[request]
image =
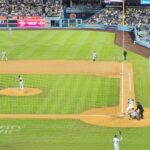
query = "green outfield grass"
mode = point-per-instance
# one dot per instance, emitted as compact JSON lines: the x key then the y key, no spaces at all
{"x":68,"y":134}
{"x":58,"y":44}
{"x":61,"y":94}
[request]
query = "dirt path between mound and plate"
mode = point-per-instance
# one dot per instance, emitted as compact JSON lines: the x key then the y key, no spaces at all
{"x":109,"y":116}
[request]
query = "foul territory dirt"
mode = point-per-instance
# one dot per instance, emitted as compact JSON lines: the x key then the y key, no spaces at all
{"x":110,"y":116}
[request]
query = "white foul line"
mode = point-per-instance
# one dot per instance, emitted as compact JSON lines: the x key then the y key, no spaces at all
{"x":122,"y":87}
{"x":130,"y":81}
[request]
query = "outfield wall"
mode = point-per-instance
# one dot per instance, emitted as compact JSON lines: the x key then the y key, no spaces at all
{"x":58,"y":23}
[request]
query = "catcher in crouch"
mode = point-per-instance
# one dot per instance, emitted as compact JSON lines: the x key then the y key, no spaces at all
{"x":133,"y":114}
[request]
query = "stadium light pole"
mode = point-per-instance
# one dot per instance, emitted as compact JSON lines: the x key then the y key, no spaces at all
{"x":122,"y":66}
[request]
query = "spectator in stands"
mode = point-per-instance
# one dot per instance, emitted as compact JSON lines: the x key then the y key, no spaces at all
{"x":30,"y":8}
{"x":113,"y":16}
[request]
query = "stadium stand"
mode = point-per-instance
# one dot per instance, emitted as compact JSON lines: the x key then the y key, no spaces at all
{"x":142,"y":35}
{"x":30,"y":8}
{"x":3,"y":8}
{"x":107,"y":16}
{"x":111,"y":16}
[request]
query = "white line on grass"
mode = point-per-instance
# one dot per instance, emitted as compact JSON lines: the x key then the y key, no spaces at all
{"x":130,"y":81}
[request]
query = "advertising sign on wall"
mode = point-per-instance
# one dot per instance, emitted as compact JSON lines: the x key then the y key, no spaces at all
{"x":31,"y":23}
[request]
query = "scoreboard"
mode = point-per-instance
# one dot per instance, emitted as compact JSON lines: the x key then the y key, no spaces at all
{"x":145,"y":1}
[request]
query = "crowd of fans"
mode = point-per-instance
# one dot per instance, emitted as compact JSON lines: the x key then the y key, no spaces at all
{"x":143,"y":32}
{"x":3,"y":8}
{"x":30,"y":8}
{"x":113,"y":16}
{"x":106,"y":16}
{"x":134,"y":16}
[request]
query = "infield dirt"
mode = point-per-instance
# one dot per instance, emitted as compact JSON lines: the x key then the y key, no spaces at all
{"x":20,"y":92}
{"x":111,"y":116}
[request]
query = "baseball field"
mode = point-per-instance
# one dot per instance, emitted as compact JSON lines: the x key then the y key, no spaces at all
{"x":59,"y":64}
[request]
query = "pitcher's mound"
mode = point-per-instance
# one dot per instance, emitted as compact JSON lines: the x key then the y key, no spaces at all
{"x":20,"y":92}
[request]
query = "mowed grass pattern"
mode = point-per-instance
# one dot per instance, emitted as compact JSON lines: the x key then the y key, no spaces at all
{"x":61,"y":94}
{"x":59,"y":97}
{"x":51,"y":44}
{"x":67,"y":135}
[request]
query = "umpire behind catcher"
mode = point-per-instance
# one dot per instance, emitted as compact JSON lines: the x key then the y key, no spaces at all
{"x":141,"y":110}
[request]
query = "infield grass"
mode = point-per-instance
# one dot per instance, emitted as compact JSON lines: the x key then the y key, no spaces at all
{"x":61,"y":94}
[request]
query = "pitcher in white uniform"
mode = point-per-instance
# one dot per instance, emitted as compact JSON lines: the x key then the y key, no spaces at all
{"x":21,"y":82}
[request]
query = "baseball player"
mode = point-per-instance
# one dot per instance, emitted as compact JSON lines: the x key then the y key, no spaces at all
{"x":94,"y":56}
{"x":130,"y":105}
{"x":4,"y":56}
{"x":21,"y":82}
{"x":133,"y":114}
{"x":116,"y":141}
